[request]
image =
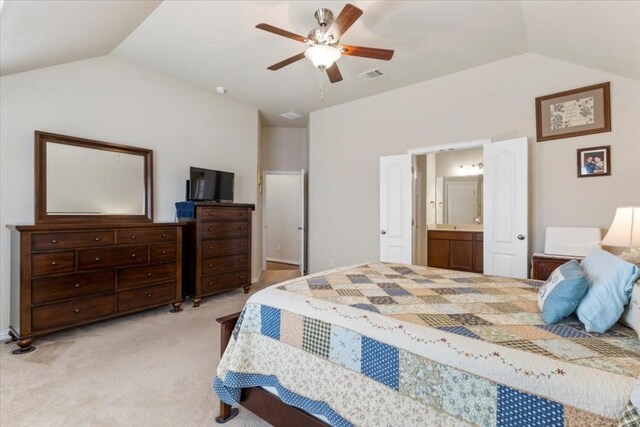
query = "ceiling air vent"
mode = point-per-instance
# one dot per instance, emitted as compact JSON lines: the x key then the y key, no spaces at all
{"x":372,"y":74}
{"x":291,"y":115}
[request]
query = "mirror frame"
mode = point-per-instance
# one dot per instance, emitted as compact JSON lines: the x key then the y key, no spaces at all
{"x":41,"y":216}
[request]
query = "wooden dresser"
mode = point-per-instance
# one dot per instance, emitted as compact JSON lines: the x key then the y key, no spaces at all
{"x":542,"y":265}
{"x":65,"y":275}
{"x":455,"y":250}
{"x":217,"y":249}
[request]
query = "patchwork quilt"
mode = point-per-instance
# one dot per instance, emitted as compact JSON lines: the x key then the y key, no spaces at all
{"x":398,"y":345}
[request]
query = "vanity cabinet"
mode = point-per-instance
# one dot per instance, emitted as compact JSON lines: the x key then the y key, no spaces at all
{"x":455,"y":250}
{"x":217,"y":249}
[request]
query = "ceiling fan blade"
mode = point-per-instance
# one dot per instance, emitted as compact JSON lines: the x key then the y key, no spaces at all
{"x":286,"y":62}
{"x":348,"y":15}
{"x":281,"y":32}
{"x":334,"y":73}
{"x":367,"y":52}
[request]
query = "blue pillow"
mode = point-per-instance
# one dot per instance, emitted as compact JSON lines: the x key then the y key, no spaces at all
{"x":611,"y":282}
{"x":560,"y":295}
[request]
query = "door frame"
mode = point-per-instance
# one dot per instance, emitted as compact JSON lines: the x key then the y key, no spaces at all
{"x":264,"y":210}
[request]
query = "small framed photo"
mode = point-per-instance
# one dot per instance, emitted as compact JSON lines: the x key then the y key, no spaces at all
{"x":594,"y":161}
{"x":575,"y":112}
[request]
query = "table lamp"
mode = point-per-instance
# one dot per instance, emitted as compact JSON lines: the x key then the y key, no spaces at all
{"x":625,"y":231}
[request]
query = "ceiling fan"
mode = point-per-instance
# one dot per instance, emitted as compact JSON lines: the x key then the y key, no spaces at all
{"x":324,"y":42}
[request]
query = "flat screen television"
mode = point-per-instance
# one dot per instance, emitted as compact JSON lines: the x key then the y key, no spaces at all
{"x":210,"y":185}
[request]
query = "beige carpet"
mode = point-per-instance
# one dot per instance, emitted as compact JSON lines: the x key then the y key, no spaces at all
{"x":149,"y":369}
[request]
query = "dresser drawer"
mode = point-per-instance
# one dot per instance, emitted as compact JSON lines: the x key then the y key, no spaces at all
{"x":49,"y":289}
{"x":52,"y":263}
{"x":219,"y":230}
{"x":213,"y":248}
{"x":130,"y":236}
{"x":71,"y":312}
{"x":92,"y":259}
{"x":225,"y":214}
{"x":224,"y":281}
{"x":542,"y":268}
{"x":52,"y":241}
{"x":223,"y":264}
{"x":146,"y":297}
{"x":133,"y":277}
{"x":163,"y":252}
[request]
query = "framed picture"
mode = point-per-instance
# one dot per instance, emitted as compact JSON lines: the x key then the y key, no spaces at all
{"x":576,"y":112}
{"x":594,"y":161}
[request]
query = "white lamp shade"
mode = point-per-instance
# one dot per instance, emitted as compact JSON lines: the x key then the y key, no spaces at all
{"x":625,"y":229}
{"x":322,"y":56}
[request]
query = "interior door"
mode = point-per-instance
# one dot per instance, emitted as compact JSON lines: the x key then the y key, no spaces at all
{"x":396,"y":229}
{"x":506,"y":196}
{"x":303,"y":229}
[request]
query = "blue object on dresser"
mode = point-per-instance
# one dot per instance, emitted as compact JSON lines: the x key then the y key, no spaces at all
{"x":560,"y":295}
{"x":185,"y":210}
{"x":611,"y":282}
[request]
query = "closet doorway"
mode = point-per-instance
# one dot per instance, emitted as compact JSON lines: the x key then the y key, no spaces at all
{"x":284,"y":228}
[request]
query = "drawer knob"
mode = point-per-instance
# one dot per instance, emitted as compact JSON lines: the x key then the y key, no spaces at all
{"x":133,"y":236}
{"x":210,"y":228}
{"x":164,"y":234}
{"x":149,"y":274}
{"x":133,"y":255}
{"x":164,"y":252}
{"x":210,"y":213}
{"x":54,"y":263}
{"x":77,"y":285}
{"x":241,"y":244}
{"x":210,"y":247}
{"x":54,"y":241}
{"x":210,"y":265}
{"x":148,"y":295}
{"x":242,"y":261}
{"x":240,"y":228}
{"x":76,"y":310}
{"x":97,"y":239}
{"x":240,"y":213}
{"x":97,"y":258}
{"x":210,"y":283}
{"x":242,"y":277}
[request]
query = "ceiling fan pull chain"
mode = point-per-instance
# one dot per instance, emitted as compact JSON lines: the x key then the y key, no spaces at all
{"x":320,"y":87}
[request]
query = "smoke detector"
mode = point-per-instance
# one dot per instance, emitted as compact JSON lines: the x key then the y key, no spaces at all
{"x":221,"y":90}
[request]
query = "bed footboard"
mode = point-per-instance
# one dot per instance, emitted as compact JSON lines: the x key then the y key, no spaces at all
{"x":227,"y":323}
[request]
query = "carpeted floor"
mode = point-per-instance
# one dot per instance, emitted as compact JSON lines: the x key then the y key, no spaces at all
{"x":148,"y":369}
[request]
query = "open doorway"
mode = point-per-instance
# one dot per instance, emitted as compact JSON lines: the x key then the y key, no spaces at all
{"x":283,"y":221}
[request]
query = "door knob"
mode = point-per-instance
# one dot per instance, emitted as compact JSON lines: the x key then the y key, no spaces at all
{"x":383,"y":232}
{"x":299,"y":228}
{"x":521,"y":237}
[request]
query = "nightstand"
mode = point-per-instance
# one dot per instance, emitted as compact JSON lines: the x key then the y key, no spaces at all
{"x":542,"y":265}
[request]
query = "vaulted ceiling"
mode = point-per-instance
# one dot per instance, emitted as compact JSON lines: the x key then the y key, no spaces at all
{"x":214,"y":43}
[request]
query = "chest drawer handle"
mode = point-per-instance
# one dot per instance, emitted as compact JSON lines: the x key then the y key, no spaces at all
{"x":164,"y":234}
{"x":133,"y":237}
{"x":76,"y":310}
{"x":133,"y":255}
{"x":164,"y":252}
{"x":54,"y":241}
{"x":210,"y":228}
{"x":97,"y":239}
{"x":149,"y":295}
{"x":97,"y":258}
{"x":54,"y":263}
{"x":242,"y":261}
{"x":210,"y":213}
{"x":149,"y":274}
{"x":210,"y":247}
{"x":242,"y":277}
{"x":241,"y":244}
{"x":241,"y":228}
{"x":210,"y":265}
{"x":77,"y":285}
{"x":210,"y":283}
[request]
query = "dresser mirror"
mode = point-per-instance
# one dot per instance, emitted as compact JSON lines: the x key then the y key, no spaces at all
{"x":80,"y":180}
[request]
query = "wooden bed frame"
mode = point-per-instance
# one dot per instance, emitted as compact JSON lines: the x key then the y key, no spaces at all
{"x":256,"y":399}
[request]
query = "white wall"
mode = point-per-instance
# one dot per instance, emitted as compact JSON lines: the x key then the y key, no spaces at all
{"x":111,"y":100}
{"x":283,"y":218}
{"x":448,"y":163}
{"x":284,"y":149}
{"x":495,"y":100}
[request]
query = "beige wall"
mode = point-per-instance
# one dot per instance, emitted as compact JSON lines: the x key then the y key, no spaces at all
{"x":111,"y":100}
{"x":284,"y":149}
{"x":492,"y":101}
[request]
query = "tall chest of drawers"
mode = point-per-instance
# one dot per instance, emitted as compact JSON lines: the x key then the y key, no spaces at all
{"x":217,"y":249}
{"x":69,"y":275}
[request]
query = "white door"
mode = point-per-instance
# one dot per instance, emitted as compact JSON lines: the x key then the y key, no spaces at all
{"x":395,"y":209}
{"x":506,"y":198}
{"x":460,"y":202}
{"x":303,"y":229}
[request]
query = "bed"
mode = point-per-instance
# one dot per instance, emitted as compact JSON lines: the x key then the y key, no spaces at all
{"x":399,"y":345}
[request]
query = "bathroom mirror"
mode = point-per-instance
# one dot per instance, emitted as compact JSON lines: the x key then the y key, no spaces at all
{"x":80,"y":180}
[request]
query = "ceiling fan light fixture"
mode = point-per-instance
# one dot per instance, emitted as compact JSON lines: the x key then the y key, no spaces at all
{"x":322,"y":56}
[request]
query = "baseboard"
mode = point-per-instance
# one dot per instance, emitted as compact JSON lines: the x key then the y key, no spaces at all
{"x":4,"y":335}
{"x":283,"y":261}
